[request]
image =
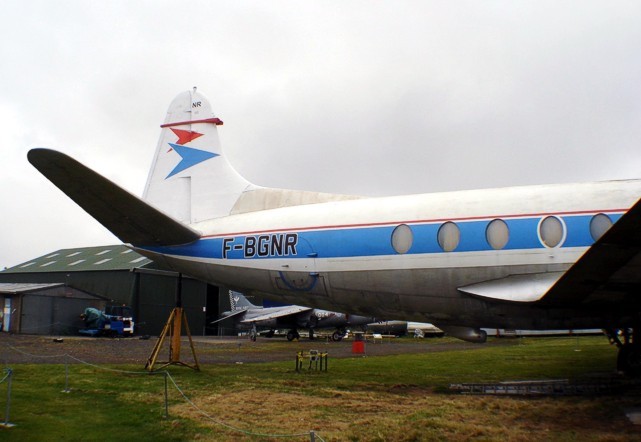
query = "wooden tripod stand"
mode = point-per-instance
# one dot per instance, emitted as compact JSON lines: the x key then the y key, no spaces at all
{"x":173,"y":327}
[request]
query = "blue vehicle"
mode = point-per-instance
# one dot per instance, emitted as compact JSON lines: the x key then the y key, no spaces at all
{"x":115,"y":321}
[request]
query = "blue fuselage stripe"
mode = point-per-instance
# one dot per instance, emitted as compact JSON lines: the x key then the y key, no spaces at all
{"x":368,"y":241}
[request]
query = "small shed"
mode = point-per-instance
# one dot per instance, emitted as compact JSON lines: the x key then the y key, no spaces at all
{"x":44,"y":308}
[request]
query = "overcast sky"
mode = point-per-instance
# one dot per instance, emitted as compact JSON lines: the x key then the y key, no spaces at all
{"x":365,"y":97}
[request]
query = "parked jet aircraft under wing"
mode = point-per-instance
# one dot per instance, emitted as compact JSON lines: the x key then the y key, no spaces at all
{"x":248,"y":316}
{"x":537,"y":257}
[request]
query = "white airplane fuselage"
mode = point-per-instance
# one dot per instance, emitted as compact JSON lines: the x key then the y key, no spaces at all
{"x":342,"y":255}
{"x":529,"y":258}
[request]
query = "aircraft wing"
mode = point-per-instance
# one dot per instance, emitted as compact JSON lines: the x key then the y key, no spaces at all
{"x":131,"y":219}
{"x":607,"y":276}
{"x":608,"y":273}
{"x":285,"y":311}
{"x":231,"y":315}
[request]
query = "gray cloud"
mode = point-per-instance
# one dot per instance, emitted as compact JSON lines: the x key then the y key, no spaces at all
{"x":368,"y":97}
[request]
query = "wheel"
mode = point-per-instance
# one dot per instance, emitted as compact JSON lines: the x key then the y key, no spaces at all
{"x":291,"y":335}
{"x":337,"y":336}
{"x":629,"y":360}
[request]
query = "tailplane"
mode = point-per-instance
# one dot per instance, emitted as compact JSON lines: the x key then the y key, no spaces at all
{"x":132,"y":220}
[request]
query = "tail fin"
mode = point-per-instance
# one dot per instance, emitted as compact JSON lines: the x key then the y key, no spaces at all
{"x":238,"y":301}
{"x":190,"y":178}
{"x":192,"y":181}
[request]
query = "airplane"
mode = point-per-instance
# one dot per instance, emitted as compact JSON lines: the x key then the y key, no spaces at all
{"x":401,"y":328}
{"x":250,"y":316}
{"x":540,"y":257}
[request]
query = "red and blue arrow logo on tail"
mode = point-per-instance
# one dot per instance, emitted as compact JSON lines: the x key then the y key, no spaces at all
{"x":185,"y":136}
{"x":189,"y":156}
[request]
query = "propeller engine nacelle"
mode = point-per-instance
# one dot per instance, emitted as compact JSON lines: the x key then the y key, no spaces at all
{"x":469,"y":334}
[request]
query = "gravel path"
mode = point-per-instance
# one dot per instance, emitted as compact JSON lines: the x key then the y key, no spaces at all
{"x":210,"y":350}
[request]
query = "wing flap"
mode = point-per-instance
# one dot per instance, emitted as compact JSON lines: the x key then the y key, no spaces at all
{"x":515,"y":288}
{"x":131,"y":219}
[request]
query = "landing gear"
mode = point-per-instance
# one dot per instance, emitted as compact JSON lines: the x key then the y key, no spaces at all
{"x":253,"y":333}
{"x":311,"y":334}
{"x":292,"y":334}
{"x":337,"y":336}
{"x":629,"y":357}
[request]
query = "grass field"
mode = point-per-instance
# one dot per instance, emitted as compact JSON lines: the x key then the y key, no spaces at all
{"x":401,"y":397}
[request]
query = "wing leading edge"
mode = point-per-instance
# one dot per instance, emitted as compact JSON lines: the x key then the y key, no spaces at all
{"x":231,"y":315}
{"x":286,"y":311}
{"x":128,"y":217}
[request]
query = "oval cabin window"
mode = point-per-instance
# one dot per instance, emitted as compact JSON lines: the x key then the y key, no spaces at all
{"x":449,"y":236}
{"x":551,"y":231}
{"x":497,"y":234}
{"x":402,"y":239}
{"x":599,"y":224}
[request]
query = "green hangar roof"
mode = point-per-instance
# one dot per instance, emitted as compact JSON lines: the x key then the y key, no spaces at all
{"x":85,"y":259}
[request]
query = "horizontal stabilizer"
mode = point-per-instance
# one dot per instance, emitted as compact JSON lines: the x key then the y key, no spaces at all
{"x":131,"y":219}
{"x":517,"y":288}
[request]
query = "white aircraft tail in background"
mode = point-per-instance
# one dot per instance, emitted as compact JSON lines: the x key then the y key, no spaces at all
{"x":524,"y":258}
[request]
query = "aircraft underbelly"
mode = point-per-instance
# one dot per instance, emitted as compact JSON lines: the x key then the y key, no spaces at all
{"x":420,"y":294}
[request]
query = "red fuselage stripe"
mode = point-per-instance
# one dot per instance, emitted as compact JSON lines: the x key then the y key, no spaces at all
{"x":423,"y":221}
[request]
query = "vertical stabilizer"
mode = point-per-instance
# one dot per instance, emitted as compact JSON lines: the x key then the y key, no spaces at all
{"x":190,"y":178}
{"x":238,"y":301}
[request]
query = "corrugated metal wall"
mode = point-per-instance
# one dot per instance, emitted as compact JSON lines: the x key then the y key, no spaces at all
{"x":48,"y":315}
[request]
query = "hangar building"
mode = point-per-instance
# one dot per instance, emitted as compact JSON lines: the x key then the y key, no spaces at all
{"x":118,"y":276}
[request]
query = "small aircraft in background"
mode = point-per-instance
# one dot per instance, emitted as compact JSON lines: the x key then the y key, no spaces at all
{"x":403,"y":328}
{"x":250,"y":317}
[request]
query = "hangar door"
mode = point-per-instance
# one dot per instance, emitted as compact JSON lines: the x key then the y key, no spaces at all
{"x":44,"y":315}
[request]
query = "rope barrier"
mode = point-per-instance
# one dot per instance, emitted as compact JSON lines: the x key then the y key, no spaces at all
{"x":114,"y":370}
{"x":8,"y":371}
{"x":34,"y":355}
{"x":313,"y":436}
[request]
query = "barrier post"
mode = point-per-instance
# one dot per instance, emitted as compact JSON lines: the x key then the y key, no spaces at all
{"x":166,"y":401}
{"x":66,"y":390}
{"x":6,"y":423}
